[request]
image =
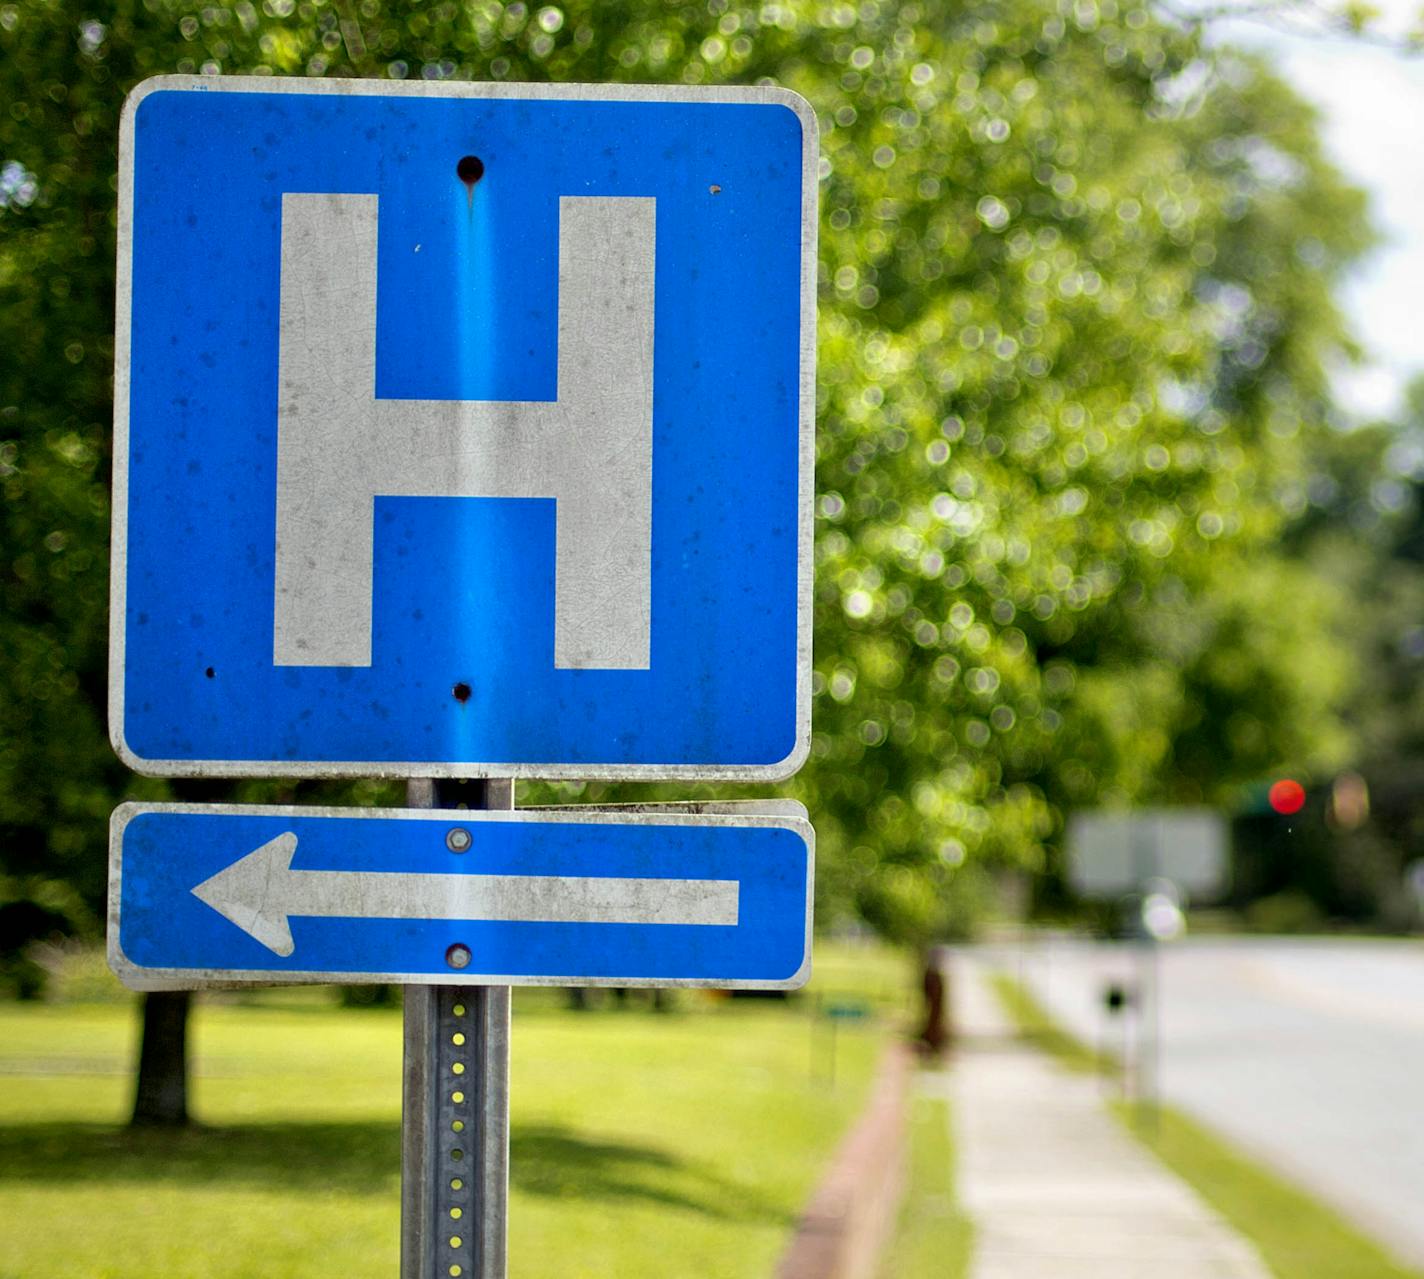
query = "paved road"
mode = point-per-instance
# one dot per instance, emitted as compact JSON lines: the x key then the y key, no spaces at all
{"x":1309,"y":1054}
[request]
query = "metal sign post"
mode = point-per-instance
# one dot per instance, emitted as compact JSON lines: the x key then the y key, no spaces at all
{"x":1146,"y":860}
{"x":455,"y":1110}
{"x":455,"y":1132}
{"x":1115,"y":853}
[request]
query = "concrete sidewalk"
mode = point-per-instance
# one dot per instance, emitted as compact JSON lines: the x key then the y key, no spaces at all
{"x":1056,"y":1187}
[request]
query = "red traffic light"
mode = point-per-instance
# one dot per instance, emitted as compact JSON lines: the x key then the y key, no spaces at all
{"x":1286,"y":796}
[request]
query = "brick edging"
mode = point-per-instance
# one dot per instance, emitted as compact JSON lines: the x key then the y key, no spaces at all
{"x":846,"y":1226}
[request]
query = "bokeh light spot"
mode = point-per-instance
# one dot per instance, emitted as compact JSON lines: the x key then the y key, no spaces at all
{"x":1286,"y":796}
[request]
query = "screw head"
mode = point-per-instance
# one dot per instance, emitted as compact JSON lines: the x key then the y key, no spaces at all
{"x":458,"y":839}
{"x":458,"y":956}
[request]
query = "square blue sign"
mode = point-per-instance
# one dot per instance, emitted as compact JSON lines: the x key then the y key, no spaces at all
{"x":463,"y":430}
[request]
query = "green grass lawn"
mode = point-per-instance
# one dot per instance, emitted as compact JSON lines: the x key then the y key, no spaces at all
{"x":643,"y":1144}
{"x":933,"y":1238}
{"x":1297,"y":1236}
{"x":1033,"y":1023}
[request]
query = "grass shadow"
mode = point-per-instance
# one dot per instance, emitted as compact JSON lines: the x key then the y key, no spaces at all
{"x":363,"y":1157}
{"x":297,"y":1156}
{"x":556,"y":1161}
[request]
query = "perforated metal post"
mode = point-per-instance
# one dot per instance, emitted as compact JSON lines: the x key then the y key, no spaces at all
{"x":455,"y":1117}
{"x":1147,"y":859}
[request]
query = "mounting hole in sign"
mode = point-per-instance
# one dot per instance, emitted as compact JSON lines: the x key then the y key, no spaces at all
{"x":461,"y":692}
{"x":458,"y":956}
{"x":470,"y":169}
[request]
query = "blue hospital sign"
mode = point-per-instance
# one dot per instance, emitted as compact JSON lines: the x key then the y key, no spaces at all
{"x":463,"y":429}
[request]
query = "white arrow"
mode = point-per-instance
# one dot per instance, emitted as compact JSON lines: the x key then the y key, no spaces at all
{"x":261,"y":890}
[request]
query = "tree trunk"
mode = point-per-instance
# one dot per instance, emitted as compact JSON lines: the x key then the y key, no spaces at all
{"x":161,"y":1094}
{"x":161,"y":1097}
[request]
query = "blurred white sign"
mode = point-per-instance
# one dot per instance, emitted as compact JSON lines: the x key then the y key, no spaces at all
{"x":1110,"y":854}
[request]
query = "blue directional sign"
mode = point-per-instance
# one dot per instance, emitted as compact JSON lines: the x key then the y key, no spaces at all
{"x":231,"y":893}
{"x":463,"y":429}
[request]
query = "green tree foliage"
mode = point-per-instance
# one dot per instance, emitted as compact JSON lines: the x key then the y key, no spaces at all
{"x":1050,"y":490}
{"x":1345,"y":857}
{"x":1075,"y":284}
{"x":57,"y":775}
